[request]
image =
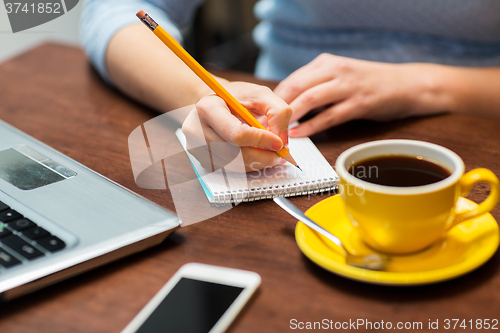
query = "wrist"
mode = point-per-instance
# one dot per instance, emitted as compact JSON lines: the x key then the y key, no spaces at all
{"x":434,"y":88}
{"x":203,"y":90}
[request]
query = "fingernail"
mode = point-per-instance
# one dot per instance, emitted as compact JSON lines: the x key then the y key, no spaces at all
{"x":292,"y":132}
{"x":283,"y":161}
{"x":277,"y":145}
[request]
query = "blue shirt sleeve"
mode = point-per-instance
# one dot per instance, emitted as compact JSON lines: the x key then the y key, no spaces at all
{"x":101,"y":19}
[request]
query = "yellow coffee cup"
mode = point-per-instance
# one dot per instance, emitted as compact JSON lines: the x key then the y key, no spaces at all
{"x":407,"y":219}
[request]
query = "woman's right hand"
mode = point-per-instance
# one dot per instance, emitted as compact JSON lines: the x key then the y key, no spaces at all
{"x":215,"y":135}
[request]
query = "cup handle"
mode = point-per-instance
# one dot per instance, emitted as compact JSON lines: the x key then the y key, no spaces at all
{"x":466,"y":183}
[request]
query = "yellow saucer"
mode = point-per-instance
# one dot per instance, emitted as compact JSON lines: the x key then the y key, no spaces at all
{"x":464,"y":248}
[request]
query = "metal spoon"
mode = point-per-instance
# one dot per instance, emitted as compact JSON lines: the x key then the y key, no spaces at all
{"x":374,"y":261}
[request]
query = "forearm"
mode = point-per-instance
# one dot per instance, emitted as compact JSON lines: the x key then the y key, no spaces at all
{"x":478,"y":91}
{"x":474,"y":91}
{"x":141,"y":66}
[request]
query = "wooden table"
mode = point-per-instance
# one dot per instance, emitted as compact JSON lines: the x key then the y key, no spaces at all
{"x":53,"y":94}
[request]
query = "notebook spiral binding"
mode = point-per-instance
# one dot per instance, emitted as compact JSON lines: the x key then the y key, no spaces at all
{"x":261,"y":193}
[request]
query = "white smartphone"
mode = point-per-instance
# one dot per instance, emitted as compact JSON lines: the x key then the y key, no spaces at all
{"x":199,"y":298}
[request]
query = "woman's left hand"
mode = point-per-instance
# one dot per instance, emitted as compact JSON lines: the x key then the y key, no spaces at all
{"x":356,"y":89}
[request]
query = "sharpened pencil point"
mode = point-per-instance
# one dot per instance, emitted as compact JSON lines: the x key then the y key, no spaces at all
{"x":290,"y":159}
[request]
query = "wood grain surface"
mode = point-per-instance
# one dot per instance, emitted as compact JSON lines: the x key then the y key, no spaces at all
{"x":54,"y":95}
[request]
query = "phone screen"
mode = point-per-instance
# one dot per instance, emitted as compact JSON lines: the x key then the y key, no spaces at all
{"x":191,"y":306}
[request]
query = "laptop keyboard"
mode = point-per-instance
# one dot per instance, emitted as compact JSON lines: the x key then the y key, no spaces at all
{"x":22,"y":240}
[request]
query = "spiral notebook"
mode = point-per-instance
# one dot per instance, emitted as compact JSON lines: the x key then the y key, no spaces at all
{"x":284,"y":180}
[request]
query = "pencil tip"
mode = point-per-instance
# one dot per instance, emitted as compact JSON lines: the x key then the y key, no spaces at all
{"x":290,"y":159}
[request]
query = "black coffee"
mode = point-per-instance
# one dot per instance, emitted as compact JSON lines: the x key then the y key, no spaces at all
{"x":400,"y":171}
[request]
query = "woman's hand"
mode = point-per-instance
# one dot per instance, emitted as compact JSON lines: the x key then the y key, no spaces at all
{"x":353,"y":89}
{"x":215,"y":135}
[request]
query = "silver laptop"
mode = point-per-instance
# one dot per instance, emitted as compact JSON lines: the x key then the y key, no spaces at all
{"x":59,"y":218}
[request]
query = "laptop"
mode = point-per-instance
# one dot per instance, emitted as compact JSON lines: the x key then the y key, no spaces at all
{"x":58,"y":218}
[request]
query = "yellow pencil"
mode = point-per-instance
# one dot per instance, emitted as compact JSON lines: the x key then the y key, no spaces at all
{"x":206,"y":77}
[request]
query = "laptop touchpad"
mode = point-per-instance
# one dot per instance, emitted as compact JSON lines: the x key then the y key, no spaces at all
{"x":27,"y":169}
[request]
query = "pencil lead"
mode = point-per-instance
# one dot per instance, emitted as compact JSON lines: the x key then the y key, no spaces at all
{"x":299,"y":167}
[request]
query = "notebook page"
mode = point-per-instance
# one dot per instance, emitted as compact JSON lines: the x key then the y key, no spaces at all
{"x":316,"y":172}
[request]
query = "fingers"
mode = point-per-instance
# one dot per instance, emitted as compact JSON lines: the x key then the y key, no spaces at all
{"x":301,"y":80}
{"x":261,"y":100}
{"x":217,"y":153}
{"x":214,"y":113}
{"x":214,"y":137}
{"x":223,"y":133}
{"x":199,"y":137}
{"x":278,"y":121}
{"x":332,"y":116}
{"x":225,"y":155}
{"x":254,"y":159}
{"x":263,"y":121}
{"x":326,"y":80}
{"x":320,"y":95}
